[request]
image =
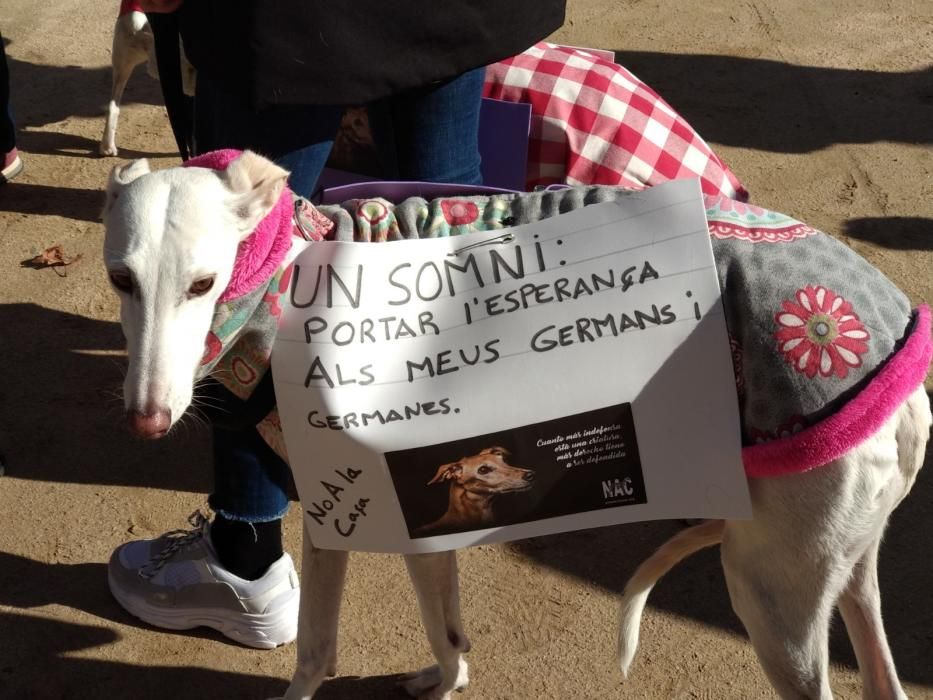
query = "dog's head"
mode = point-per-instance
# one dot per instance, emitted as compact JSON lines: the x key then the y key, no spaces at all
{"x":485,"y":473}
{"x":170,"y":244}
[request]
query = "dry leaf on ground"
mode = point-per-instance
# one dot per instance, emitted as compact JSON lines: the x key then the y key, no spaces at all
{"x":53,"y":257}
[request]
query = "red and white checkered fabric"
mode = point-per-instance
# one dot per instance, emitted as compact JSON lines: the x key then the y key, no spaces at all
{"x":593,"y":122}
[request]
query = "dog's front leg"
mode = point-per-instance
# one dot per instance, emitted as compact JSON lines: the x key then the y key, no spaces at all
{"x":435,"y":580}
{"x":323,"y":573}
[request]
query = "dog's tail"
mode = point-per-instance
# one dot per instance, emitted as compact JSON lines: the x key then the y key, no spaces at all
{"x":680,"y":546}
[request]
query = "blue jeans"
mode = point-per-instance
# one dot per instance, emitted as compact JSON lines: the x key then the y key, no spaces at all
{"x":428,"y":134}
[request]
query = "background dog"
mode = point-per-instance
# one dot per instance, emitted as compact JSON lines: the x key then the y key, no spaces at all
{"x":474,"y":482}
{"x":133,"y":44}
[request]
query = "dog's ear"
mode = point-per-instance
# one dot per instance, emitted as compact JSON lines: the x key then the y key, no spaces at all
{"x":447,"y":472}
{"x":121,"y":176}
{"x":498,"y":451}
{"x":257,"y":183}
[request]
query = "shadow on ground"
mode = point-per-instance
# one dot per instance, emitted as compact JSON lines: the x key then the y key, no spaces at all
{"x":895,"y":232}
{"x":42,"y":95}
{"x":46,"y":671}
{"x":56,"y":143}
{"x":75,"y":203}
{"x":26,"y":584}
{"x":784,"y":108}
{"x":77,"y":92}
{"x":61,"y":415}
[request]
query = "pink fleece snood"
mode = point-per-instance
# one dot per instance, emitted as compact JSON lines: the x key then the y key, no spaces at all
{"x":259,"y":254}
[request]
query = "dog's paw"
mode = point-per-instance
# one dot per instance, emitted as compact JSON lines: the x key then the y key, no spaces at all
{"x":425,"y":684}
{"x":108,"y":149}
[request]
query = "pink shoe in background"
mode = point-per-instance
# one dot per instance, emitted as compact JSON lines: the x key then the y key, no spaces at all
{"x":12,"y":166}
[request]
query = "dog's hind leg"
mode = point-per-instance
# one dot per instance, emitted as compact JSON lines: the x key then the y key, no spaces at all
{"x":860,"y":605}
{"x":323,"y":573}
{"x":812,"y":533}
{"x":860,"y":602}
{"x":434,"y":577}
{"x":784,"y":597}
{"x":129,"y":50}
{"x":786,"y":568}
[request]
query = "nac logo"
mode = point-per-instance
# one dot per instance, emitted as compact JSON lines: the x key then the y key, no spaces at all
{"x":618,"y":488}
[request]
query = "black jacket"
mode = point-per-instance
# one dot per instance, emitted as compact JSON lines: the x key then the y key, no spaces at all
{"x":347,"y":52}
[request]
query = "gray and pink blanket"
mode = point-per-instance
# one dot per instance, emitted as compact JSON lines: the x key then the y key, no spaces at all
{"x":825,"y":347}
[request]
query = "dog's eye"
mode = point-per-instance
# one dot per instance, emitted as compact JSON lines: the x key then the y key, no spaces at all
{"x":485,"y":469}
{"x":201,"y":286}
{"x":122,"y":281}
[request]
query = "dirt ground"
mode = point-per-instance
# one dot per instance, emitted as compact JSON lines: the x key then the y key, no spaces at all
{"x":824,"y":110}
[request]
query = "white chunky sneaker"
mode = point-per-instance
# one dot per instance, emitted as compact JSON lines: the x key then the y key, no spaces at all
{"x":176,"y":582}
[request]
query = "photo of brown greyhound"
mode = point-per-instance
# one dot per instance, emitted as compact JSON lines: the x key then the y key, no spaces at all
{"x":474,"y":482}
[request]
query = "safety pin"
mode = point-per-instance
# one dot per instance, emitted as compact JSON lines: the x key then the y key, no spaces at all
{"x":504,"y":238}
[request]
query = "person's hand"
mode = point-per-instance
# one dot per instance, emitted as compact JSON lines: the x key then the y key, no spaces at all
{"x":160,"y":5}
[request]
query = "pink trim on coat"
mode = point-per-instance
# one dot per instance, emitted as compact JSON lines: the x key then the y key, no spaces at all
{"x":857,"y":420}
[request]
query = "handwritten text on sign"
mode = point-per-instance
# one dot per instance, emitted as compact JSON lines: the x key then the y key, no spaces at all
{"x":560,"y":375}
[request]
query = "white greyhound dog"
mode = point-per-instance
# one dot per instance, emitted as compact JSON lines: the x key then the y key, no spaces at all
{"x":171,"y":241}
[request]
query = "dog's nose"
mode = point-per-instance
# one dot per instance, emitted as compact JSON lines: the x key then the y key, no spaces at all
{"x":151,"y":425}
{"x":529,"y":476}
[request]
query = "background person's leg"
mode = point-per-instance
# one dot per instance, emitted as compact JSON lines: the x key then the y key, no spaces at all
{"x":7,"y":131}
{"x":178,"y":105}
{"x":11,"y":165}
{"x":432,"y":134}
{"x":250,"y":498}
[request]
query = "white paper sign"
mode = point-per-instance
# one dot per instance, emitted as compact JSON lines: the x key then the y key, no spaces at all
{"x":568,"y":374}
